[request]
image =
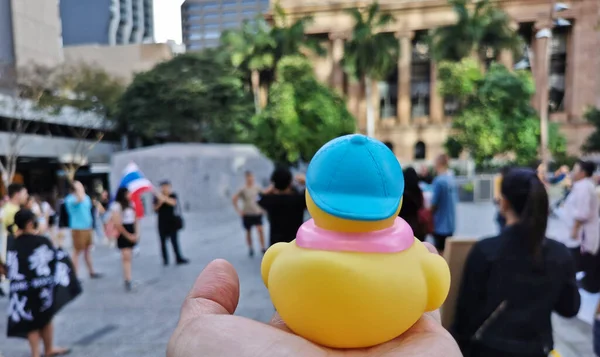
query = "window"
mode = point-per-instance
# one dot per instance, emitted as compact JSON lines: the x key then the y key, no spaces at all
{"x":212,"y":35}
{"x":388,"y":96}
{"x":211,"y":16}
{"x":194,"y":17}
{"x":249,"y":12}
{"x":194,"y":46}
{"x":229,"y":13}
{"x":194,"y":6}
{"x":249,"y":2}
{"x":526,"y":32}
{"x":195,"y":36}
{"x":420,"y":150}
{"x":229,"y":2}
{"x":210,"y":6}
{"x":420,"y":76}
{"x":558,"y":69}
{"x":230,"y":24}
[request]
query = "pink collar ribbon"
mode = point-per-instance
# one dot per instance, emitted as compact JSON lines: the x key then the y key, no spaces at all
{"x":395,"y":239}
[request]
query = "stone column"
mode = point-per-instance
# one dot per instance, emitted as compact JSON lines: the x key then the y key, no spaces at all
{"x":583,"y":61}
{"x":436,"y":101}
{"x":539,"y":65}
{"x":404,"y":67}
{"x":337,"y":53}
{"x":507,"y":59}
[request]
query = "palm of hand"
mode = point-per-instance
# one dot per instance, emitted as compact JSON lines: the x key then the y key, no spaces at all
{"x":207,"y":328}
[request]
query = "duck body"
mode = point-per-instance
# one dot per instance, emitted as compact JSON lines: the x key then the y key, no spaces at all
{"x":351,"y":299}
{"x":355,"y":276}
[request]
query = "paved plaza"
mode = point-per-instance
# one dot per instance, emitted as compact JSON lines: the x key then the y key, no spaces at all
{"x":107,"y":322}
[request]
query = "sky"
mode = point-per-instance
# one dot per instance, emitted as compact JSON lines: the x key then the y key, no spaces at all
{"x":167,"y":20}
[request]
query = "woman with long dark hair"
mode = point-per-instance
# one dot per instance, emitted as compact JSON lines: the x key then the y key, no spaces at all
{"x":513,"y":282}
{"x":412,"y":203}
{"x":125,"y":221}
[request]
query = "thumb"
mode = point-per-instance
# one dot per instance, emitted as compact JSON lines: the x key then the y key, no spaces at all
{"x":216,"y":291}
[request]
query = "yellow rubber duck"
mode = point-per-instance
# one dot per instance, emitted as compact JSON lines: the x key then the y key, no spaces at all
{"x":355,"y":276}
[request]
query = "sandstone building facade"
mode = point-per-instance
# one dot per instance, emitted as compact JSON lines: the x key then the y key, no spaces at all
{"x":410,"y":114}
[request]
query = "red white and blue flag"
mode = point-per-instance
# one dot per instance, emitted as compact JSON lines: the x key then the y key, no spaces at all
{"x":135,"y":182}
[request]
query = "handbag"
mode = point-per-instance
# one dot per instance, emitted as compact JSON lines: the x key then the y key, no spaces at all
{"x":425,"y":220}
{"x":178,"y":222}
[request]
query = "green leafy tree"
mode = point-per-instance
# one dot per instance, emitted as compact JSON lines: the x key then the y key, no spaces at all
{"x":481,"y":28}
{"x":192,"y":97}
{"x":92,"y":95}
{"x":592,"y":144}
{"x":256,"y":48}
{"x":371,"y":54}
{"x":251,"y":49}
{"x":301,"y":116}
{"x":496,"y":116}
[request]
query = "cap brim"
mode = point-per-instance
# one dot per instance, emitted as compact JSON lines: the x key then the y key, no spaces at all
{"x":356,"y":207}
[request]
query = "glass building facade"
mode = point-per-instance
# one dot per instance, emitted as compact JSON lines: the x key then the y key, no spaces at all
{"x":203,"y":21}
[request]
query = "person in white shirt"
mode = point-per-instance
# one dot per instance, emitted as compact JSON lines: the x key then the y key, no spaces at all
{"x":582,"y":209}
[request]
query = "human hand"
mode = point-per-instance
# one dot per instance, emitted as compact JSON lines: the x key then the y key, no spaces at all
{"x":207,"y":327}
{"x":574,"y":234}
{"x":133,"y":237}
{"x":269,"y":190}
{"x":301,"y":179}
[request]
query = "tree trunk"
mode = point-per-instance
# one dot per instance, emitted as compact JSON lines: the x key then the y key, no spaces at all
{"x":370,"y":109}
{"x":255,"y":79}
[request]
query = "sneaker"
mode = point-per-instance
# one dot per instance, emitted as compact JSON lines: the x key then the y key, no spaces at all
{"x":183,"y":261}
{"x":136,"y":251}
{"x":251,"y":253}
{"x":264,"y":251}
{"x":96,"y":276}
{"x":128,"y":286}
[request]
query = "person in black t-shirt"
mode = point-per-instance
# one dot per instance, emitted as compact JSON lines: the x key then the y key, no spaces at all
{"x":165,"y":203}
{"x":285,"y":206}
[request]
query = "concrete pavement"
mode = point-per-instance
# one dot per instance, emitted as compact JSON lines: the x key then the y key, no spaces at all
{"x":106,"y":321}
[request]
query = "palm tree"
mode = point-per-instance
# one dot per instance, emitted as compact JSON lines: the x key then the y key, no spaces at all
{"x":257,"y":47}
{"x":291,"y":37}
{"x":370,"y":54}
{"x":485,"y":30}
{"x":251,"y":49}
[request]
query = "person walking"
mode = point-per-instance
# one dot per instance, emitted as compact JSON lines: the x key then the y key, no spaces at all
{"x":413,"y":207}
{"x":443,"y":203}
{"x":169,"y":224}
{"x":580,"y":213}
{"x":79,"y":210}
{"x":513,"y":282}
{"x":42,"y":283}
{"x":123,"y":216}
{"x":251,"y":213}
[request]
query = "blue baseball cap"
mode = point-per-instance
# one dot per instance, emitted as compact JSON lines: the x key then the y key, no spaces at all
{"x":355,"y":177}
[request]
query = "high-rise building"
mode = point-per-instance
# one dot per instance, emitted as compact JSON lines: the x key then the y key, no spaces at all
{"x":107,"y":22}
{"x":203,"y":20}
{"x":29,"y":32}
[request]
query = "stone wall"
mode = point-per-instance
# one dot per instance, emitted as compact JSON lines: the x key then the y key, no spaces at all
{"x":205,"y":176}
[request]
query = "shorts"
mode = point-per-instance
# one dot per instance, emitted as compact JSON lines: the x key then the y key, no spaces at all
{"x":251,"y":220}
{"x":122,"y":241}
{"x":439,"y":240}
{"x":82,"y":238}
